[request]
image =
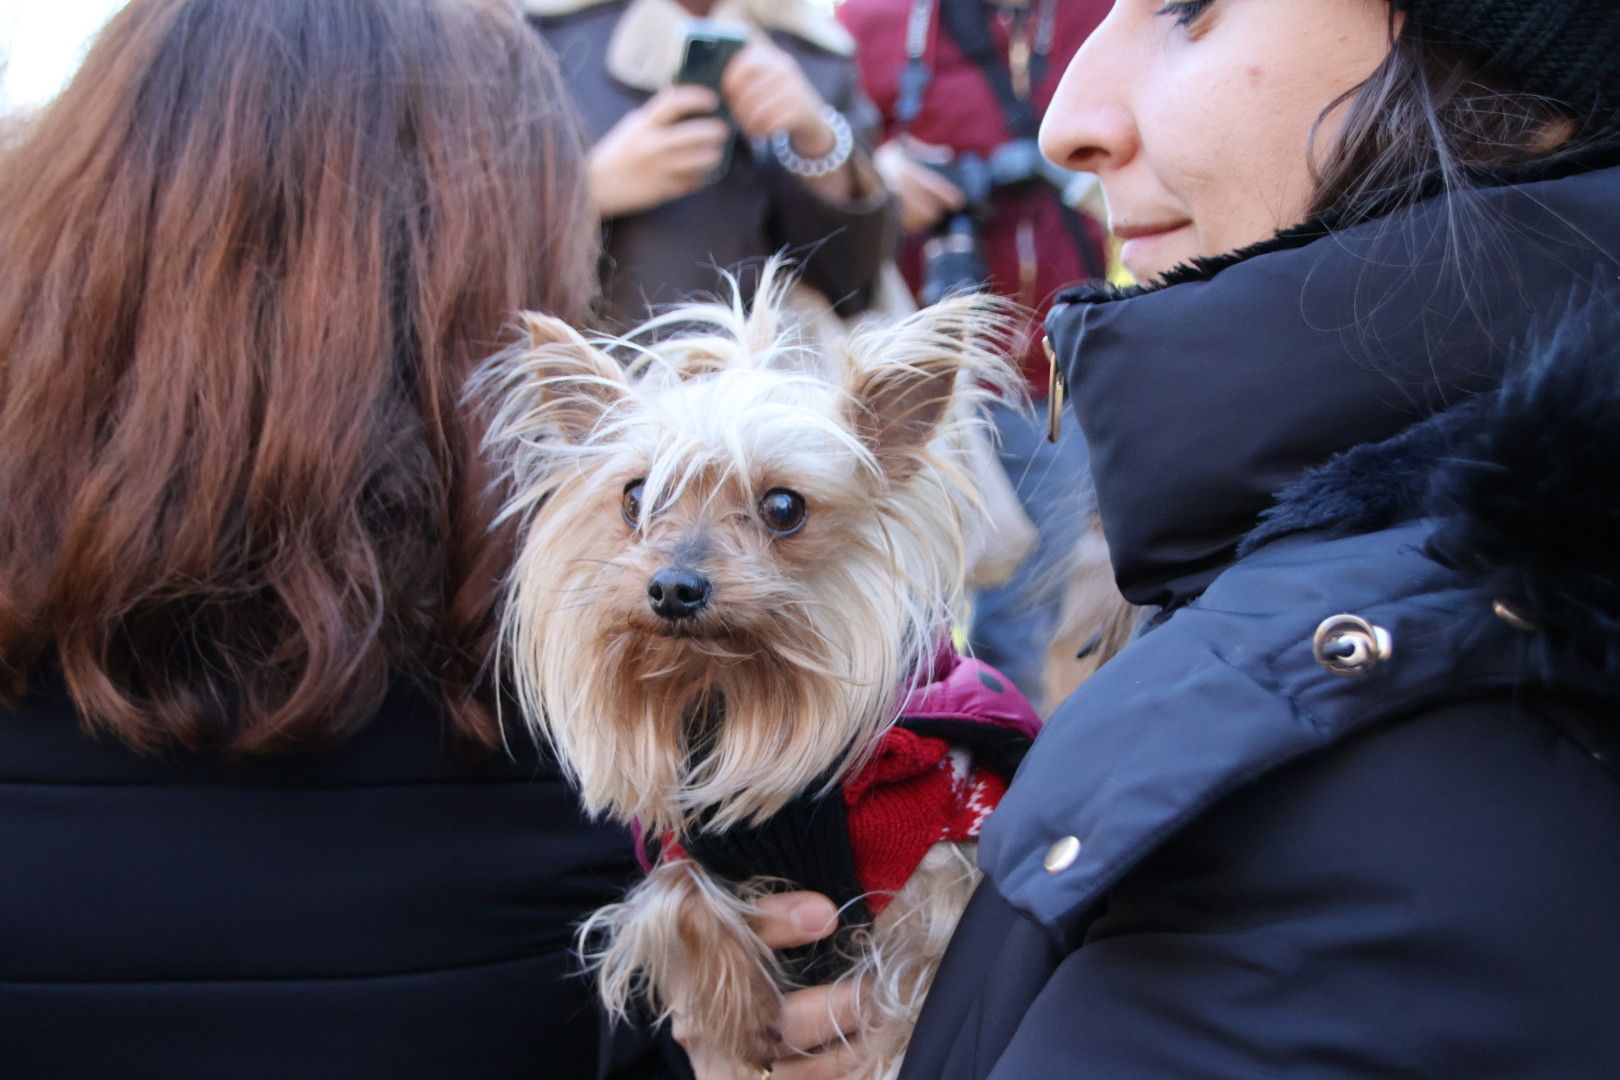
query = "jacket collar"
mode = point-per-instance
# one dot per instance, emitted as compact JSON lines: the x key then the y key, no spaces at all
{"x":1203,"y":398}
{"x":1229,"y":690}
{"x":645,"y":50}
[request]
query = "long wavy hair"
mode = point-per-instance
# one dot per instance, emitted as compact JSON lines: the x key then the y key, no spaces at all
{"x":252,"y":254}
{"x":1431,"y":119}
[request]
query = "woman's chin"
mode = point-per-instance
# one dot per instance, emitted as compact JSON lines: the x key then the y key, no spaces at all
{"x":1149,"y":258}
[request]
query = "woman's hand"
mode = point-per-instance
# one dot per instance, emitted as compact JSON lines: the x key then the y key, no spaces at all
{"x":925,"y":196}
{"x":768,"y":92}
{"x":662,"y":151}
{"x":815,"y":1022}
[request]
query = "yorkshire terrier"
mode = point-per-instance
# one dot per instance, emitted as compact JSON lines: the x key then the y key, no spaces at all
{"x":740,"y":555}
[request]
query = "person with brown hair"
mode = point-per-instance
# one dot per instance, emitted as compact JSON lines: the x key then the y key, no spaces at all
{"x":260,"y":815}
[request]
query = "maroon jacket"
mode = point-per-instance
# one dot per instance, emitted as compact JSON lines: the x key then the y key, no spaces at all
{"x":960,"y":111}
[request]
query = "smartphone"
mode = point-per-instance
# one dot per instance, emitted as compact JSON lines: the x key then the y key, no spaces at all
{"x":708,"y":49}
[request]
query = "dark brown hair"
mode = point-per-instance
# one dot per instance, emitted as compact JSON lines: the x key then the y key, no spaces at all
{"x":1431,"y":120}
{"x":252,"y":254}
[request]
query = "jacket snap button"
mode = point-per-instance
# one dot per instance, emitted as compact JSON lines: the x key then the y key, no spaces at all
{"x":1513,"y":617}
{"x":1061,"y":855}
{"x":1349,"y":645}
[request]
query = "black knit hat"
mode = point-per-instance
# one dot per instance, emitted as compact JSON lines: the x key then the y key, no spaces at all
{"x":1565,"y":50}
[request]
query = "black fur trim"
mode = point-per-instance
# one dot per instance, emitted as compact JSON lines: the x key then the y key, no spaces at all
{"x":1523,"y":483}
{"x":1529,"y":505}
{"x":1370,"y":487}
{"x":1198,"y":269}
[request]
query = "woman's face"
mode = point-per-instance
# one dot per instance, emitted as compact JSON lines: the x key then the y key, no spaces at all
{"x":1196,"y":115}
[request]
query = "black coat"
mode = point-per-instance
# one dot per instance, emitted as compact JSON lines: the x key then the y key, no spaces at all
{"x":378,"y":910}
{"x":1222,"y":859}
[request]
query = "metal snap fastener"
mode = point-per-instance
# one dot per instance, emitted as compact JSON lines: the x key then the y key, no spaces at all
{"x":1061,"y":855}
{"x":1349,"y":645}
{"x":1513,"y":617}
{"x":1056,"y":389}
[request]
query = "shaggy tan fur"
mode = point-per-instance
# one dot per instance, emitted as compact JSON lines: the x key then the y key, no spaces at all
{"x":800,"y":662}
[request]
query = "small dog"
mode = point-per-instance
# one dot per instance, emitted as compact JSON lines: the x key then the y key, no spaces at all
{"x":738,"y":556}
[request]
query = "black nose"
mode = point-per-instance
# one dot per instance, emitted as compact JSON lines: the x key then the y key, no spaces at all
{"x":678,"y":593}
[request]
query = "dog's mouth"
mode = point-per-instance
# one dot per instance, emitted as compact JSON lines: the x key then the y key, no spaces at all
{"x":691,"y":630}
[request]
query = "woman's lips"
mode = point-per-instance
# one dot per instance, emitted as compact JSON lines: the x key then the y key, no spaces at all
{"x":1140,"y":252}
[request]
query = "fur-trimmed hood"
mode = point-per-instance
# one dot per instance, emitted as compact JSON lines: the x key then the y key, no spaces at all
{"x":1349,"y":380}
{"x":1523,"y":483}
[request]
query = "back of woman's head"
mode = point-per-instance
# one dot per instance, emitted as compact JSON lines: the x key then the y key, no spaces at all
{"x":251,"y":255}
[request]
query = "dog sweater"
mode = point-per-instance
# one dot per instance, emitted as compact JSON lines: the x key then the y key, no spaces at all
{"x":934,"y":776}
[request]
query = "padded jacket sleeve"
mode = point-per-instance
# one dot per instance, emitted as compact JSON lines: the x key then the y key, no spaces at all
{"x":1429,"y":899}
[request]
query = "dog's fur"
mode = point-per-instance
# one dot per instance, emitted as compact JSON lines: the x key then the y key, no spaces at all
{"x":797,"y":667}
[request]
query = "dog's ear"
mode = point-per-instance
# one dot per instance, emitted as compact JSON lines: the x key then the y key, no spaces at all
{"x":574,"y":383}
{"x":907,"y":381}
{"x":897,"y":406}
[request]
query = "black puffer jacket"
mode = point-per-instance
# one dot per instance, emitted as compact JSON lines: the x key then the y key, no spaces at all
{"x":379,"y":910}
{"x":1224,"y":858}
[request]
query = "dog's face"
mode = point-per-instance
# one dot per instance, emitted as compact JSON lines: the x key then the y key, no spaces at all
{"x":740,"y":557}
{"x":730,"y":513}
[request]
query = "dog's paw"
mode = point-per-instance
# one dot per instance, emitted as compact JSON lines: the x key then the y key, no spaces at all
{"x":730,"y":1002}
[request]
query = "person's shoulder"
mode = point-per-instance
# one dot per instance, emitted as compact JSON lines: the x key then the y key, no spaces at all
{"x":803,"y":22}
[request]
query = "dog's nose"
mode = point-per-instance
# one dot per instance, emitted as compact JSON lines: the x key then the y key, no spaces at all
{"x":678,"y":593}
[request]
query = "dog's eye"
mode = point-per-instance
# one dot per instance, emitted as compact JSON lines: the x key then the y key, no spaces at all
{"x":783,"y":511}
{"x":630,"y":506}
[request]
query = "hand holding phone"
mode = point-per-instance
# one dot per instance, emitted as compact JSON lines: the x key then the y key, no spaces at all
{"x":709,"y":49}
{"x":768,"y":92}
{"x":666,"y":149}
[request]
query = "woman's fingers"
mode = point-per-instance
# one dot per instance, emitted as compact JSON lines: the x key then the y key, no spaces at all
{"x":835,"y":1063}
{"x":788,"y":920}
{"x":676,"y":103}
{"x":819,"y":1028}
{"x":706,"y":132}
{"x":820,"y":1015}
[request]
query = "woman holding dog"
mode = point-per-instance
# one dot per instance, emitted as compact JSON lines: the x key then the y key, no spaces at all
{"x":1349,"y":805}
{"x":257,"y":814}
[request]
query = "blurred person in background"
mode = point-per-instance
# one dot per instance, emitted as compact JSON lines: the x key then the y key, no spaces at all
{"x":261,"y":817}
{"x":685,"y":193}
{"x":962,"y":86}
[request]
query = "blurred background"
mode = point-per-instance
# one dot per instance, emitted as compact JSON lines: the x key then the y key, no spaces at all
{"x":41,"y":44}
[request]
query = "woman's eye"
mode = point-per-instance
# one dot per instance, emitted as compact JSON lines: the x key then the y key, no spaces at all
{"x":783,"y":511}
{"x":1186,"y":12}
{"x":630,"y":506}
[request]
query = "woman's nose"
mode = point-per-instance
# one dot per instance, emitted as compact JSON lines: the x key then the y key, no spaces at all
{"x":1089,"y":126}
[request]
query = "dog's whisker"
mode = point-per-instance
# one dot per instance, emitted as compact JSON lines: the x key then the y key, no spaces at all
{"x":560,"y":591}
{"x":614,"y":563}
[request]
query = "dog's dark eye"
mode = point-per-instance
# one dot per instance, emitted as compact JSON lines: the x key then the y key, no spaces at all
{"x":630,"y":506}
{"x":783,"y":511}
